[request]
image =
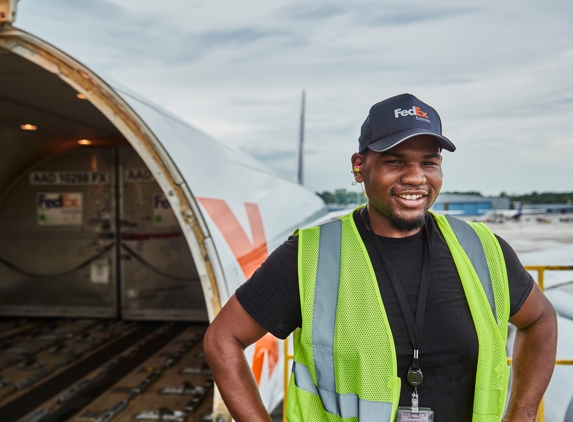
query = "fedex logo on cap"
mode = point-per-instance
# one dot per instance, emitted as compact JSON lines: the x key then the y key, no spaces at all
{"x":414,"y":111}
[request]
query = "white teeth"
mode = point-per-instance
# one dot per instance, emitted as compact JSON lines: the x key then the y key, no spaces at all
{"x":411,"y":197}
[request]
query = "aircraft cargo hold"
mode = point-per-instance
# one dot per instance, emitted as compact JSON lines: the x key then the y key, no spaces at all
{"x":118,"y":245}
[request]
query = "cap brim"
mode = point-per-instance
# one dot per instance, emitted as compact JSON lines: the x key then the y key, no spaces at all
{"x":390,"y":141}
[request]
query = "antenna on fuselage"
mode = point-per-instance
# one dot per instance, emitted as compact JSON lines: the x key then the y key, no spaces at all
{"x":8,"y":11}
{"x":298,"y":170}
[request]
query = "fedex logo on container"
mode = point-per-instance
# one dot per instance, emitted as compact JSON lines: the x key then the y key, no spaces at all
{"x":162,"y":213}
{"x":59,"y":208}
{"x":48,"y":201}
{"x":160,"y":202}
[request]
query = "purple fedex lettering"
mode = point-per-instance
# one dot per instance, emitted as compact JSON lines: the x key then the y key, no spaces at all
{"x":160,"y":202}
{"x":48,"y":203}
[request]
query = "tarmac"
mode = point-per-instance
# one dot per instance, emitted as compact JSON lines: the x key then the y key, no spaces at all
{"x":536,"y":232}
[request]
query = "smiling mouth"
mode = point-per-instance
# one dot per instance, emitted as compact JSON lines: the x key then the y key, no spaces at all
{"x":410,"y":197}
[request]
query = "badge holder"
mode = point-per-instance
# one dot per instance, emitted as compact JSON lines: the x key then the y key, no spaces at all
{"x":406,"y":414}
{"x":415,"y":413}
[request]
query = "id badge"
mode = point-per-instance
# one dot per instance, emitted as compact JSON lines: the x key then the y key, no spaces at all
{"x":405,"y":414}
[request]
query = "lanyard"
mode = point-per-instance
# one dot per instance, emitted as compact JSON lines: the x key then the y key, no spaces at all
{"x":414,"y":328}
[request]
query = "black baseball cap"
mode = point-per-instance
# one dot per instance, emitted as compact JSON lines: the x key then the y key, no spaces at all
{"x":398,"y":118}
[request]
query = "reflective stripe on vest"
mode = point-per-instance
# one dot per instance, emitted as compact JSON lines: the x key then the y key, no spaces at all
{"x":324,"y":320}
{"x":323,"y":327}
{"x":343,"y":405}
{"x":324,"y":314}
{"x":474,"y":250}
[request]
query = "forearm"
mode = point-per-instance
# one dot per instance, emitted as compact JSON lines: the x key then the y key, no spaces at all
{"x":234,"y":379}
{"x":533,"y":364}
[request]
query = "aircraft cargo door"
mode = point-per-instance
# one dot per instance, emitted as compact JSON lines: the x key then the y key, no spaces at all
{"x":57,"y":247}
{"x":158,"y":275}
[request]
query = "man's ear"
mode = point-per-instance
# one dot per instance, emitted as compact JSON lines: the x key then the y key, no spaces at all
{"x":357,"y":165}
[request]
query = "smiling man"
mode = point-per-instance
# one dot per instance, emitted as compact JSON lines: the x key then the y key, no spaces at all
{"x":398,"y":314}
{"x":401,"y":182}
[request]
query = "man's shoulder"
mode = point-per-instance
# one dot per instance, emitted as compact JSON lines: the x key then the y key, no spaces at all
{"x":336,"y":217}
{"x":440,"y":220}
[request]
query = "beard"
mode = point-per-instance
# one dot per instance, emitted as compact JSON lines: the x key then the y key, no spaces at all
{"x":407,"y":226}
{"x":404,"y":225}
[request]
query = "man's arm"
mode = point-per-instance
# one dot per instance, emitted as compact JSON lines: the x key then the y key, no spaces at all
{"x":228,"y":335}
{"x":533,"y":356}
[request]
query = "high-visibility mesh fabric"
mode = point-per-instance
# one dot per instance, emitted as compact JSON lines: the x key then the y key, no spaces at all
{"x":498,"y":272}
{"x":492,"y":375}
{"x":365,"y":360}
{"x":310,"y":408}
{"x":307,"y":265}
{"x":370,"y":358}
{"x":303,"y":406}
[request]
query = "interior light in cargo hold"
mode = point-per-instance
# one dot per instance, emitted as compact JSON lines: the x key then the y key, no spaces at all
{"x":28,"y":126}
{"x":81,"y":96}
{"x":84,"y":142}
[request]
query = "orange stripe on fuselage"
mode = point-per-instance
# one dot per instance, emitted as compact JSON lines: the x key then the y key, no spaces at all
{"x":249,"y":254}
{"x":268,"y":345}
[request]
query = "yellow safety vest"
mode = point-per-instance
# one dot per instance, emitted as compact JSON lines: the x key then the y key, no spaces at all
{"x":345,"y":366}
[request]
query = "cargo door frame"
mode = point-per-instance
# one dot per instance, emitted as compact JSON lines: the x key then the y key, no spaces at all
{"x":145,"y":143}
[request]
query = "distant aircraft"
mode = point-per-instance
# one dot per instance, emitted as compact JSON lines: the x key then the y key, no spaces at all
{"x":500,"y":216}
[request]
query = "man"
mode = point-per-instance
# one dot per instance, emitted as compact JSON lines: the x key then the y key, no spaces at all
{"x":398,"y":313}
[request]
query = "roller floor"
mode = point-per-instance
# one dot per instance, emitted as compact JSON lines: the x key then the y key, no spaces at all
{"x":55,"y":370}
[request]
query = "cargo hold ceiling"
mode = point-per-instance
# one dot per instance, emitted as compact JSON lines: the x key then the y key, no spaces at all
{"x":32,"y":95}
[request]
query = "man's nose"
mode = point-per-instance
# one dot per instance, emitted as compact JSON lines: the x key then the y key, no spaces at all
{"x":413,"y":175}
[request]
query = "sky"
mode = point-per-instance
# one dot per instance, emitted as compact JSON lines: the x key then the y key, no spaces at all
{"x":500,"y":74}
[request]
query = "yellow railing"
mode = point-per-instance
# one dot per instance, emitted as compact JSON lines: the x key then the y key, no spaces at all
{"x":540,"y":280}
{"x":288,"y":358}
{"x":541,"y":271}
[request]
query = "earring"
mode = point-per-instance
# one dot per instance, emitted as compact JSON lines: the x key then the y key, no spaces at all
{"x":354,"y":171}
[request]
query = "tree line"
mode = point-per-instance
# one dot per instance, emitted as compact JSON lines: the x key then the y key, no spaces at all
{"x":344,"y":197}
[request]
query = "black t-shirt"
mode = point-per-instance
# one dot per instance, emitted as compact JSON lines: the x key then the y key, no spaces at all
{"x":449,"y":348}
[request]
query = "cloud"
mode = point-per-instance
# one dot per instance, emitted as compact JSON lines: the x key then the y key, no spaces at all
{"x":497,"y":72}
{"x":375,"y":13}
{"x":314,"y":12}
{"x":115,"y":36}
{"x":409,"y":13}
